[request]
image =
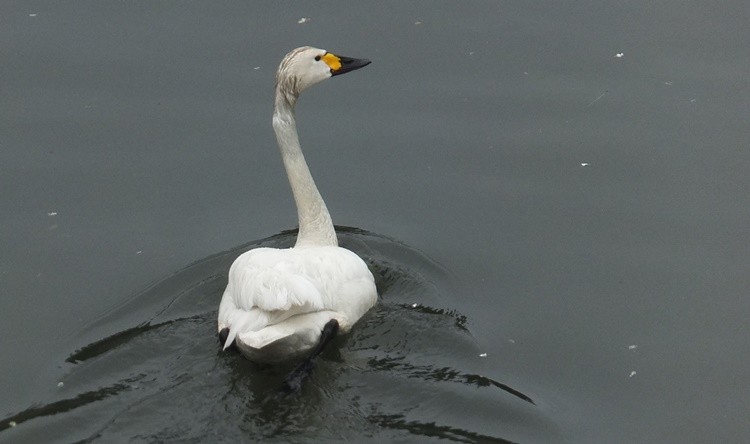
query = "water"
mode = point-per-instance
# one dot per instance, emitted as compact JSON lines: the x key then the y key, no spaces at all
{"x":579,"y":217}
{"x":409,"y":369}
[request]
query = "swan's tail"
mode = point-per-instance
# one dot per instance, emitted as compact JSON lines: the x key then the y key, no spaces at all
{"x":243,"y":321}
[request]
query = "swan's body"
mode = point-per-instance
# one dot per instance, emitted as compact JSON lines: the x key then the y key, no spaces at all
{"x":277,"y":301}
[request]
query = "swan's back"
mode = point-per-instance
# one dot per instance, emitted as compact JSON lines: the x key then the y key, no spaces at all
{"x":277,"y":300}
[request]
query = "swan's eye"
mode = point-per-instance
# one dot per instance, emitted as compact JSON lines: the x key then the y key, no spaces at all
{"x":317,"y":58}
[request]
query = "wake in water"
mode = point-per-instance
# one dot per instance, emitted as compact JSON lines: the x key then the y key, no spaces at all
{"x":408,"y":368}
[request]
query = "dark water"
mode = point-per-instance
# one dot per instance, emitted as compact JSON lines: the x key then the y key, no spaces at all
{"x":589,"y":214}
{"x":411,"y":369}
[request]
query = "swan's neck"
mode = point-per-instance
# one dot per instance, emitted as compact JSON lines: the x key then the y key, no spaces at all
{"x":315,"y":225}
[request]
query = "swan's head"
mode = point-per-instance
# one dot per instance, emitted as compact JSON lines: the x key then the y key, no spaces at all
{"x":306,"y":66}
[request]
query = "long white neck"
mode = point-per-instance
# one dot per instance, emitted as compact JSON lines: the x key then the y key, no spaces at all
{"x":315,"y":225}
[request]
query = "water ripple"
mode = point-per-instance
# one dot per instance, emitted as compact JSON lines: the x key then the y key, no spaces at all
{"x":409,"y":369}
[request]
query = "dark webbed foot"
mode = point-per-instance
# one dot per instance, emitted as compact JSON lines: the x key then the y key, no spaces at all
{"x":293,"y":381}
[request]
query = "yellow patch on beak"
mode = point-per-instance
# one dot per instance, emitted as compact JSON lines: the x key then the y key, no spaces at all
{"x":332,"y":61}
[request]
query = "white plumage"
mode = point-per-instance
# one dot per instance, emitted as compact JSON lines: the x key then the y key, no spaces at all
{"x":277,"y":301}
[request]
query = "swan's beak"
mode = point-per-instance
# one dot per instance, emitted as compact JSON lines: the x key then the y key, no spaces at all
{"x":342,"y":65}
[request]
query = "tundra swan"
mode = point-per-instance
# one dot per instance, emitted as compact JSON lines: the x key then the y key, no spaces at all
{"x":285,"y":303}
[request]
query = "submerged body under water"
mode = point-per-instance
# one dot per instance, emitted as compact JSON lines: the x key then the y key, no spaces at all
{"x":410,"y":368}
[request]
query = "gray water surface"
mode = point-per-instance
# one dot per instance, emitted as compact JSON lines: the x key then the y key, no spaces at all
{"x":572,"y":224}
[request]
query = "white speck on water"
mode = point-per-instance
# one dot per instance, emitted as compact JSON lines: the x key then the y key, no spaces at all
{"x":303,"y":20}
{"x":414,"y":305}
{"x":668,"y":83}
{"x":632,"y":347}
{"x":60,"y":384}
{"x":584,"y":164}
{"x":256,"y":68}
{"x":693,"y":100}
{"x":483,"y":355}
{"x":598,"y":98}
{"x":417,"y":22}
{"x":12,"y":424}
{"x":471,"y":53}
{"x":52,"y":213}
{"x":32,"y":15}
{"x":512,"y":341}
{"x":619,"y":55}
{"x":139,"y":252}
{"x":632,"y":373}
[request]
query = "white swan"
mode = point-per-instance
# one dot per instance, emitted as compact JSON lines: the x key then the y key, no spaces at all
{"x":283,"y":303}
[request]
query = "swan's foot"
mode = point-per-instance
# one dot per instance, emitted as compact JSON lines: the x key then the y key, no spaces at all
{"x":223,"y":334}
{"x":293,"y":381}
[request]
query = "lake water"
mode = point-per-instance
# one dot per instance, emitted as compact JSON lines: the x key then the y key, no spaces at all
{"x":554,"y":199}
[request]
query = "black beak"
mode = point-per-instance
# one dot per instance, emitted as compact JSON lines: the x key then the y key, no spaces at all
{"x":349,"y":64}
